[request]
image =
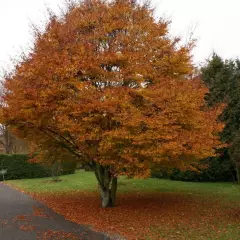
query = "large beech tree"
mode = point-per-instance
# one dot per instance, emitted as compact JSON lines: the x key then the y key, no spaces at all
{"x":106,"y":83}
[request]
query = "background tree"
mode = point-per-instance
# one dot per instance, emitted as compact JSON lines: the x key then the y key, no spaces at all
{"x":8,"y":141}
{"x":223,"y":79}
{"x":55,"y":158}
{"x":106,"y":82}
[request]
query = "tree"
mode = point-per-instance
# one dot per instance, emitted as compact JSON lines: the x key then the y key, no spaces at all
{"x":106,"y":82}
{"x":10,"y":143}
{"x":223,"y":79}
{"x":6,"y":139}
{"x":55,"y":158}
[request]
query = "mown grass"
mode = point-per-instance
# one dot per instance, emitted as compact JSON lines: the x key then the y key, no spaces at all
{"x":85,"y":181}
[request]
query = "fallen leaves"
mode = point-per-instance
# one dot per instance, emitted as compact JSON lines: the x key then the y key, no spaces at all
{"x":27,"y":227}
{"x":58,"y":235}
{"x":39,"y":212}
{"x":142,"y":216}
{"x":3,"y":222}
{"x":22,"y":217}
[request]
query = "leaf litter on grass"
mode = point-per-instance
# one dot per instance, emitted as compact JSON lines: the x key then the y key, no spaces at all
{"x":148,"y":216}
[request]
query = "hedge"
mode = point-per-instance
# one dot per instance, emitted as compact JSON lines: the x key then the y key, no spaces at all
{"x":219,"y":169}
{"x":19,"y":167}
{"x":68,"y":167}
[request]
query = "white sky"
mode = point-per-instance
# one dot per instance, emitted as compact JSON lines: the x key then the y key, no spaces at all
{"x":216,"y":23}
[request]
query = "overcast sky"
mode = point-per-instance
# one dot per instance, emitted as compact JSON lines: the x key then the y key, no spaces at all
{"x":215,"y":24}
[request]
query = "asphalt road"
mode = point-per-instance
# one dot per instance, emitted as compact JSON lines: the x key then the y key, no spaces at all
{"x":23,"y":218}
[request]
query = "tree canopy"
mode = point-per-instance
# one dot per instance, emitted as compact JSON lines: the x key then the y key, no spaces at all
{"x":107,"y":83}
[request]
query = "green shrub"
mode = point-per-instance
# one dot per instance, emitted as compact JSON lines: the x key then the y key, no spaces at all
{"x":19,"y":167}
{"x":160,"y":175}
{"x":219,"y":170}
{"x":87,"y":168}
{"x":68,"y":167}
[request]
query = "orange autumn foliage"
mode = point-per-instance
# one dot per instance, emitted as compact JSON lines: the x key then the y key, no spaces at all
{"x":107,"y":83}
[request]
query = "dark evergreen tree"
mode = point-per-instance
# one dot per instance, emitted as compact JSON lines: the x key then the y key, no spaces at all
{"x":223,"y":79}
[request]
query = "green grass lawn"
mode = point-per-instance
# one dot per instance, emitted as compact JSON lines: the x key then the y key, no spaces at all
{"x":85,"y":181}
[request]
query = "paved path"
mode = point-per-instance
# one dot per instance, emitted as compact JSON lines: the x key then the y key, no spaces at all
{"x":22,"y":218}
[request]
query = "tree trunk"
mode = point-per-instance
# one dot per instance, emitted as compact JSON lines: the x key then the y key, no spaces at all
{"x":107,"y":184}
{"x":237,"y":168}
{"x":7,"y":141}
{"x":55,"y":171}
{"x":114,"y":191}
{"x":237,"y":175}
